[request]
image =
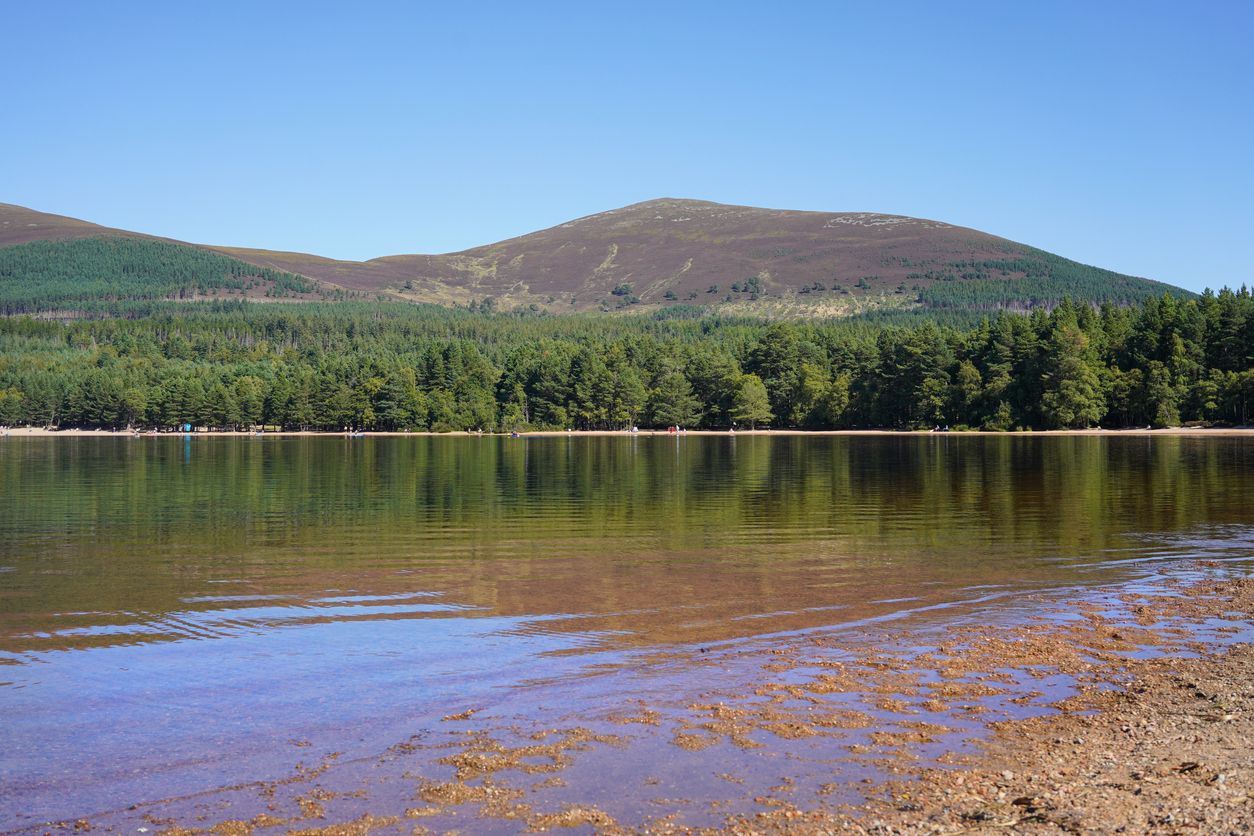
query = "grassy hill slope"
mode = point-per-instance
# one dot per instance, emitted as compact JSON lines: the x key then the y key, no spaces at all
{"x":833,"y":262}
{"x":19,"y":225}
{"x":677,"y":253}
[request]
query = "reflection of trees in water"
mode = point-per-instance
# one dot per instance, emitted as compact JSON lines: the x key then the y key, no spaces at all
{"x":225,"y":492}
{"x":132,"y":524}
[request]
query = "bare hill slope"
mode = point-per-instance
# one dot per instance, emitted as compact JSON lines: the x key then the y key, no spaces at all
{"x":18,"y":225}
{"x":684,"y":247}
{"x":673,"y":251}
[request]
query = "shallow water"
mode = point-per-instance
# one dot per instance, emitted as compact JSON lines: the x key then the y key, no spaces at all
{"x":178,"y":615}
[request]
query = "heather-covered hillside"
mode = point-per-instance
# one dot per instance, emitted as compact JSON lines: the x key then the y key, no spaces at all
{"x":658,"y":254}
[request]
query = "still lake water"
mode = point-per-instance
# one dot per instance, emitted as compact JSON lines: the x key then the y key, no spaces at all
{"x":175,"y":612}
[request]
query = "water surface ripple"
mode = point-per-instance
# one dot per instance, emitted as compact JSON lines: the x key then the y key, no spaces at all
{"x":174,"y":612}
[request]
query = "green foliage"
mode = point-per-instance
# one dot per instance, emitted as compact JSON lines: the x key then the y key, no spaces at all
{"x":681,"y":312}
{"x":751,"y":405}
{"x":1037,"y":279}
{"x":672,"y":403}
{"x":52,"y":275}
{"x":395,"y":366}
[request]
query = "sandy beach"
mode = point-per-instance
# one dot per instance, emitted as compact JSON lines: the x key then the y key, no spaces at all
{"x":1201,"y":432}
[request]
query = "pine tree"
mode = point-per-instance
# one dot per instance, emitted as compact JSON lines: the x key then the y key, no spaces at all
{"x":751,"y":405}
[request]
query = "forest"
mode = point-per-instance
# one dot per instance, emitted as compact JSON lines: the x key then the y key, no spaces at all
{"x":53,"y":275}
{"x":229,"y":364}
{"x":1046,"y":279}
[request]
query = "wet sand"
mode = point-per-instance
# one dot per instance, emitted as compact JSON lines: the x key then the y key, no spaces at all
{"x":1154,"y":745}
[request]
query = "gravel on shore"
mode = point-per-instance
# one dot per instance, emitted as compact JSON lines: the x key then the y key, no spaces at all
{"x":1158,"y":745}
{"x":1157,"y":737}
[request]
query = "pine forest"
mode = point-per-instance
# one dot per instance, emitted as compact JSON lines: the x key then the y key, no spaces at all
{"x":94,"y":341}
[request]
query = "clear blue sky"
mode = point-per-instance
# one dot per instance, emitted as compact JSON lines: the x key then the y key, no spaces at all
{"x":1117,"y":134}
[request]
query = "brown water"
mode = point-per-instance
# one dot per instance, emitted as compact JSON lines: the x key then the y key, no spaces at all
{"x":177,"y":614}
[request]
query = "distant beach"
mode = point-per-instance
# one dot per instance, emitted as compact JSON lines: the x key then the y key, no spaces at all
{"x":1201,"y":432}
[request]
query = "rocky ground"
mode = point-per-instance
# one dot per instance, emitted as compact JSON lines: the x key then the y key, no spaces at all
{"x":1156,"y":738}
{"x":1170,"y":750}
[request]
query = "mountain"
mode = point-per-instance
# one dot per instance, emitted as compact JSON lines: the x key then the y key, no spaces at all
{"x":18,"y":225}
{"x":54,"y":263}
{"x":669,"y":252}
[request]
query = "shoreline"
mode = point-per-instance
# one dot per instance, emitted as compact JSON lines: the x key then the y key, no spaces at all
{"x":1201,"y":432}
{"x":1155,"y":739}
{"x":1149,"y":744}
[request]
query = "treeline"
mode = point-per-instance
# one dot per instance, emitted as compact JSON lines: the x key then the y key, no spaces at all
{"x":393,"y":366}
{"x":55,"y":275}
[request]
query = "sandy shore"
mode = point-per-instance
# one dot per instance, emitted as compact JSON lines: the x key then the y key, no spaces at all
{"x":1156,"y":738}
{"x":1159,"y":738}
{"x":1160,"y":744}
{"x":38,"y":432}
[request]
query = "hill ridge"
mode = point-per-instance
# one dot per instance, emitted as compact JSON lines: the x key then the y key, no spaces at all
{"x":671,"y":251}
